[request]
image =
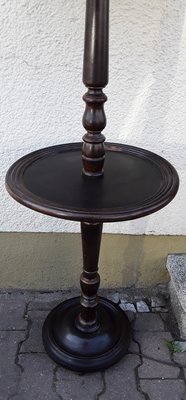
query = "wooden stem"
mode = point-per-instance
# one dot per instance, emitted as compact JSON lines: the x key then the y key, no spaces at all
{"x":95,"y":78}
{"x":87,"y":320}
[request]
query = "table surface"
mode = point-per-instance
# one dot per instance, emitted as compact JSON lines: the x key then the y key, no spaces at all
{"x":136,"y":183}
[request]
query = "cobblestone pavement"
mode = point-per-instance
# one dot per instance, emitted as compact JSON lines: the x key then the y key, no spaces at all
{"x":147,"y":372}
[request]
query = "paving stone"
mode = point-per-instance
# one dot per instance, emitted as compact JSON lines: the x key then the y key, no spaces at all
{"x":12,"y":314}
{"x":37,"y":378}
{"x":185,"y":372}
{"x":17,"y":295}
{"x":130,"y":315}
{"x":160,"y":309}
{"x":124,"y":298}
{"x":43,"y":305}
{"x":134,"y":347}
{"x":180,"y":345}
{"x":148,"y":322}
{"x":72,"y":386}
{"x":184,"y":396}
{"x":180,"y":358}
{"x":114,"y":297}
{"x":142,"y":306}
{"x":47,"y":301}
{"x":34,"y":342}
{"x":120,"y":380}
{"x":165,"y":317}
{"x":158,"y":301}
{"x":153,"y":369}
{"x":163,"y":389}
{"x":153,"y":344}
{"x":127,"y":307}
{"x":9,"y":372}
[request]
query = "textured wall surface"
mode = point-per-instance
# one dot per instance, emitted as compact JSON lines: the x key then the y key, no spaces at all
{"x":41,"y":50}
{"x":41,"y":260}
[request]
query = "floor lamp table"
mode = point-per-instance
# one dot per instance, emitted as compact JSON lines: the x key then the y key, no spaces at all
{"x":93,"y":183}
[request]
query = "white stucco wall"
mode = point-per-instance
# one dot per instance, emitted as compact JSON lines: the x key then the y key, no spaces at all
{"x":41,"y":50}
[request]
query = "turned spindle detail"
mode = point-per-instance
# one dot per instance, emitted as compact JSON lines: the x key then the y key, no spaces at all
{"x":94,"y":121}
{"x":91,"y":239}
{"x":95,"y":78}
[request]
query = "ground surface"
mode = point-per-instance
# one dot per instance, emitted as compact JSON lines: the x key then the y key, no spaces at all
{"x":148,"y":372}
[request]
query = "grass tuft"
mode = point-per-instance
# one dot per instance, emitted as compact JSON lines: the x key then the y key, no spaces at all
{"x":174,"y":347}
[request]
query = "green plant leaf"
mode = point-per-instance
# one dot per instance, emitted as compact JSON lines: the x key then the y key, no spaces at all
{"x":173,"y":346}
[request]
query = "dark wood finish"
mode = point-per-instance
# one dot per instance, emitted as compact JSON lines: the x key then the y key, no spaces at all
{"x":95,"y":68}
{"x":85,"y":351}
{"x":78,"y":333}
{"x":85,"y":334}
{"x":136,"y":183}
{"x":95,"y":77}
{"x":87,"y":320}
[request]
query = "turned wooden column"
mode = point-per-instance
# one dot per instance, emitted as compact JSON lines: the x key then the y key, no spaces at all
{"x":95,"y":78}
{"x":91,"y":239}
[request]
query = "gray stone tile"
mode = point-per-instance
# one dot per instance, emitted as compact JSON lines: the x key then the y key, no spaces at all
{"x":160,"y":310}
{"x":165,"y":317}
{"x":37,"y":378}
{"x":152,"y":369}
{"x":142,"y":306}
{"x":131,"y":315}
{"x":47,"y":301}
{"x":34,"y":342}
{"x":114,"y":297}
{"x":148,"y":322}
{"x":158,"y":301}
{"x":124,"y":298}
{"x":10,"y":373}
{"x":134,"y":347}
{"x":153,"y":344}
{"x":12,"y":314}
{"x":180,"y":358}
{"x":164,"y":389}
{"x":43,"y":305}
{"x":120,"y":380}
{"x":184,"y":395}
{"x":72,"y":386}
{"x":127,"y":307}
{"x":185,"y":372}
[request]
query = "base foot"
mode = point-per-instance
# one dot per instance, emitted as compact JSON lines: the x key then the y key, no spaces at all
{"x":86,"y":352}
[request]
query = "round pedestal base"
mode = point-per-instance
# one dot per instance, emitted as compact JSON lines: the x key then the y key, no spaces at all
{"x":81,"y":351}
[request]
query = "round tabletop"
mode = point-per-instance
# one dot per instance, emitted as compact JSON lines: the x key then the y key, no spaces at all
{"x":135,"y":183}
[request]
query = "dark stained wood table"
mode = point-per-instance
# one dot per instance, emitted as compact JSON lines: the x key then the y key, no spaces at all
{"x":93,"y":184}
